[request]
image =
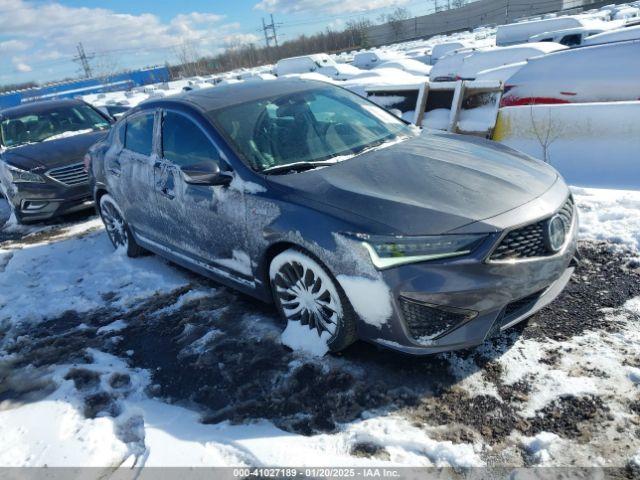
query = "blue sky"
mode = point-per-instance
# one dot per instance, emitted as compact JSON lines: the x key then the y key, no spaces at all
{"x":38,"y":38}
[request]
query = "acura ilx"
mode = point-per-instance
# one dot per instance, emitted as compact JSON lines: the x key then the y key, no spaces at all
{"x":353,"y":223}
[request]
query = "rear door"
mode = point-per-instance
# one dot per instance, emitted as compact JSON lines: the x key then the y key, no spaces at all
{"x":131,"y":170}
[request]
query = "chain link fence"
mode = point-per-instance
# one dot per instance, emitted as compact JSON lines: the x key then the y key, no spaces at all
{"x":470,"y":16}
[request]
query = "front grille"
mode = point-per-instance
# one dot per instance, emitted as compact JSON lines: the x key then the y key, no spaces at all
{"x":70,"y":175}
{"x":528,"y":241}
{"x":428,"y":322}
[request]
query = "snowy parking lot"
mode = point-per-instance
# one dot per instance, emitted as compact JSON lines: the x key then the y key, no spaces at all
{"x":110,"y":361}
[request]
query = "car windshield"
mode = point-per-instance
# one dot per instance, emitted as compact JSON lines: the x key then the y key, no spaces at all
{"x":300,"y":129}
{"x":44,"y":125}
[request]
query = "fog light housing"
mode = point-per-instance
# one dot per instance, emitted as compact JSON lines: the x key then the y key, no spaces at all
{"x":33,"y":205}
{"x":427,"y":322}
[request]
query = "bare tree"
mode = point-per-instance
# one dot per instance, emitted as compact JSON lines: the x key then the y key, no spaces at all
{"x":546,"y":131}
{"x":190,"y":60}
{"x":17,"y":86}
{"x":239,"y":54}
{"x":106,"y":67}
{"x":458,"y":3}
{"x":400,"y":13}
{"x":396,"y":20}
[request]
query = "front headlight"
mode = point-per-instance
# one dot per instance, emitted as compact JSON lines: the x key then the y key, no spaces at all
{"x":23,"y":176}
{"x":387,"y":252}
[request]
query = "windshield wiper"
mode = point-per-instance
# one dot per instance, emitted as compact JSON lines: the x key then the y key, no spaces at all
{"x":296,"y":167}
{"x":302,"y":166}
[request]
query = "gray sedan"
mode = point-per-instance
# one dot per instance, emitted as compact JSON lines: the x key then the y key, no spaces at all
{"x":355,"y":224}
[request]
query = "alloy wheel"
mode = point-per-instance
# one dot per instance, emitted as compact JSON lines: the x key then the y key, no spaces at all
{"x":307,"y":295}
{"x":114,"y":224}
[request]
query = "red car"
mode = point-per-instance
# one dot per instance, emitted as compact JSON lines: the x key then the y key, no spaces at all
{"x":600,"y":73}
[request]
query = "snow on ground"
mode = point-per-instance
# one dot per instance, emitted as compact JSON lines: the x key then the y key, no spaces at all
{"x":543,"y":447}
{"x":297,"y":337}
{"x":79,"y":269}
{"x":540,"y":397}
{"x":118,"y":424}
{"x":610,"y":215}
{"x":101,"y":408}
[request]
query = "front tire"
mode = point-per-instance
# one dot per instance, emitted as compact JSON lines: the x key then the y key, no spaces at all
{"x":305,"y":291}
{"x":117,"y":229}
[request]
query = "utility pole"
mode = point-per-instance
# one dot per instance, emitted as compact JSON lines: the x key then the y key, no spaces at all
{"x":270,"y":32}
{"x":83,"y":59}
{"x":266,"y":35}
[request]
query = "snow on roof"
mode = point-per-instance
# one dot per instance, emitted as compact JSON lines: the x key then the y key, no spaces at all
{"x":628,"y":33}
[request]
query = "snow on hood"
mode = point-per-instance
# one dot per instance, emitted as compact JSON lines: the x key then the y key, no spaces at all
{"x":430,"y":184}
{"x":67,"y":134}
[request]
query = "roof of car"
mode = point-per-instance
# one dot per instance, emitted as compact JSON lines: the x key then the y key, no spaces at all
{"x":220,"y":96}
{"x":38,"y":107}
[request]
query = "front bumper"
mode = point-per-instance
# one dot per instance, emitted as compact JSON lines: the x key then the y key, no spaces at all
{"x":41,"y":201}
{"x":478,"y":296}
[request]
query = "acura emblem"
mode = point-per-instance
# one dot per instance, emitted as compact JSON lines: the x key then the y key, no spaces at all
{"x":556,"y":233}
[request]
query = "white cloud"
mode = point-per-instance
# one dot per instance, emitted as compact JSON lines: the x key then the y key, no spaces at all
{"x":325,"y":6}
{"x":240,"y":39}
{"x":49,"y":32}
{"x":12,"y":46}
{"x":22,"y":67}
{"x":195,"y":18}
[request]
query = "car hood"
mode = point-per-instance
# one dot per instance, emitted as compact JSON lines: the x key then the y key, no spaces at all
{"x":52,"y":154}
{"x":430,"y":184}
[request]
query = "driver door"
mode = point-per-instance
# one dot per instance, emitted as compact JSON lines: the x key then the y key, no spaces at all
{"x":204,"y":223}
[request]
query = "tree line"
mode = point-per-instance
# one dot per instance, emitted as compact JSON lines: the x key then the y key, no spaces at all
{"x":236,"y":56}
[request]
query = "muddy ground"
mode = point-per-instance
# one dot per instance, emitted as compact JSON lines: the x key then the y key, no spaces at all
{"x":241,"y":371}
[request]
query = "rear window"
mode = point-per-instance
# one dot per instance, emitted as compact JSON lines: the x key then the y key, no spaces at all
{"x":571,"y":40}
{"x":139,"y":135}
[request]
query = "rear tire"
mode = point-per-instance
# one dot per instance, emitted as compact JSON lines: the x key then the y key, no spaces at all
{"x":117,"y":228}
{"x":305,"y":291}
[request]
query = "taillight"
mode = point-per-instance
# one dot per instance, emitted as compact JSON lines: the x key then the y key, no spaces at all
{"x":87,"y":162}
{"x":513,"y":101}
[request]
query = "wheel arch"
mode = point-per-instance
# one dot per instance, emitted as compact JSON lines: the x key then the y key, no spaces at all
{"x":348,"y":332}
{"x":100,"y":191}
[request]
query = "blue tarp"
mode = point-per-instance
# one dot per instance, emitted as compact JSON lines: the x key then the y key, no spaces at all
{"x":122,"y":81}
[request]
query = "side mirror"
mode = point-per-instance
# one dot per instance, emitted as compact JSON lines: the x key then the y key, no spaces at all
{"x":208,"y":173}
